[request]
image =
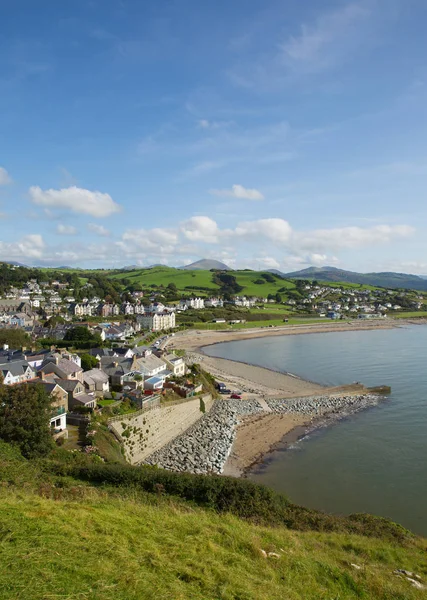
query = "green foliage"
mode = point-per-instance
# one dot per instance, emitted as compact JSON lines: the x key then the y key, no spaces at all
{"x":88,"y":362}
{"x":24,"y":418}
{"x":54,"y":321}
{"x":240,"y":497}
{"x":15,"y":338}
{"x":227,"y":283}
{"x":81,"y":337}
{"x":78,"y":334}
{"x":268,"y":277}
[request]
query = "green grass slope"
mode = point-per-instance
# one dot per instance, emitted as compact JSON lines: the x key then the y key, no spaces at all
{"x":101,"y":548}
{"x":77,"y":530}
{"x":200,"y":281}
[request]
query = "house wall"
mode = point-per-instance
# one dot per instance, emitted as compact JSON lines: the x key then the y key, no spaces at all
{"x":163,"y":423}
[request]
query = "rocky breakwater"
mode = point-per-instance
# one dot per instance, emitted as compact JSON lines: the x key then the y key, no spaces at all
{"x":205,"y":446}
{"x":328,"y":407}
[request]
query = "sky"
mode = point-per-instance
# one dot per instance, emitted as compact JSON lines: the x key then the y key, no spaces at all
{"x":274,"y":134}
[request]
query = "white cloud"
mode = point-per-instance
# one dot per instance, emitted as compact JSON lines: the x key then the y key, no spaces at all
{"x":152,"y":239}
{"x":30,"y":246}
{"x":76,"y":199}
{"x":238,"y":191}
{"x":4,"y":177}
{"x":350,"y":237}
{"x":98,"y":229}
{"x":66,"y":229}
{"x":204,"y":124}
{"x":201,"y":229}
{"x":276,"y":230}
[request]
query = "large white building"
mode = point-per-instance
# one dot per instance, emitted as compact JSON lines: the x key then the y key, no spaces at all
{"x":157,"y":321}
{"x":196,"y":303}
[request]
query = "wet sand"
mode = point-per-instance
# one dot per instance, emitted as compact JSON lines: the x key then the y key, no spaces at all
{"x":258,"y":435}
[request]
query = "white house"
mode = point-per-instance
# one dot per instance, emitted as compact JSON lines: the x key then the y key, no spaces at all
{"x":196,"y":303}
{"x":176,"y":364}
{"x":157,"y":321}
{"x":17,"y":371}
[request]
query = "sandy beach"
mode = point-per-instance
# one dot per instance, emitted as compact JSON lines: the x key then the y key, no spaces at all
{"x":194,"y":339}
{"x":258,"y":434}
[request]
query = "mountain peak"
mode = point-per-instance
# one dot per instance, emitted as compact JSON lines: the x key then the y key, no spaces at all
{"x":206,"y":264}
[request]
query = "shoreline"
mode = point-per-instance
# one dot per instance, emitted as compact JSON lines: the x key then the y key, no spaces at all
{"x":259,"y":435}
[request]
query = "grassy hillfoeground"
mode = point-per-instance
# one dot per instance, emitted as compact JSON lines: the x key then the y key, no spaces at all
{"x":102,"y":548}
{"x":74,"y":530}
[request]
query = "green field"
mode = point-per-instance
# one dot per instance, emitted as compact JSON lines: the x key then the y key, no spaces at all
{"x":200,"y":281}
{"x":409,"y":314}
{"x":262,"y":324}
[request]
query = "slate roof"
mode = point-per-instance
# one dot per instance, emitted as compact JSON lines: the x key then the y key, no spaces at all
{"x":16,"y":367}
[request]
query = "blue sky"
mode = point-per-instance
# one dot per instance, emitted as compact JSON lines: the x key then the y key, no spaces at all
{"x":265,"y":134}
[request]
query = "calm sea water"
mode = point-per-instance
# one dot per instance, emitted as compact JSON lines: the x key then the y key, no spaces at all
{"x":375,"y":461}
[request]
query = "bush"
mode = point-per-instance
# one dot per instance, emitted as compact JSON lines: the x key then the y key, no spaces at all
{"x":237,"y":496}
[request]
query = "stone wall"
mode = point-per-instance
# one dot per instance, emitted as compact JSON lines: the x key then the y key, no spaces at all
{"x":149,"y":431}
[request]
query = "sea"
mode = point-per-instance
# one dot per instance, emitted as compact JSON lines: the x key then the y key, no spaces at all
{"x":374,"y":461}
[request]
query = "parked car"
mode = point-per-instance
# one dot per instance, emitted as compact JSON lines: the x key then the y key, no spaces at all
{"x":224,"y":391}
{"x":236,"y":396}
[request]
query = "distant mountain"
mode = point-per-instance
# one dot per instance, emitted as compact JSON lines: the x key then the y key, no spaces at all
{"x":12,"y":263}
{"x":386,"y":280}
{"x":206,"y":264}
{"x":65,"y":267}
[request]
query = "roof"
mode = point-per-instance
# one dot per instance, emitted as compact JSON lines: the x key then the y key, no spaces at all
{"x":16,"y":367}
{"x":154,"y":380}
{"x":101,"y":352}
{"x":116,"y":365}
{"x":83,"y":399}
{"x":148,"y":363}
{"x":173,"y":358}
{"x":69,"y":385}
{"x":95,"y":376}
{"x":66,"y":366}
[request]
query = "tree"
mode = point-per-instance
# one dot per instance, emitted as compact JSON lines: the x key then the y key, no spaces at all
{"x":78,"y":334}
{"x":278,"y":298}
{"x":14,"y":338}
{"x":88,"y":362}
{"x":25,"y":412}
{"x":172,"y":287}
{"x":54,"y":321}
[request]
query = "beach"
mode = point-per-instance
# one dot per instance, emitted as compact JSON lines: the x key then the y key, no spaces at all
{"x":259,"y":434}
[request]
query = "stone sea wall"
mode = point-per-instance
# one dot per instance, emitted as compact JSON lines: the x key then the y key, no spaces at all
{"x":205,"y":447}
{"x":317,"y":406}
{"x":145,"y":433}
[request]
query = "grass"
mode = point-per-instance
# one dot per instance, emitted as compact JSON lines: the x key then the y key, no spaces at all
{"x":62,"y":537}
{"x":261,"y":324}
{"x":104,"y":403}
{"x":95,"y":547}
{"x":197,"y":280}
{"x":409,"y":314}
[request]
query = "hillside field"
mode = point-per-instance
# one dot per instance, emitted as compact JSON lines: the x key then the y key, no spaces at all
{"x":72,"y":531}
{"x":199,"y":281}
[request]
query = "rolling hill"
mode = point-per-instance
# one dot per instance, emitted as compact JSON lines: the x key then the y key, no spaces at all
{"x":386,"y":280}
{"x":198,"y":281}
